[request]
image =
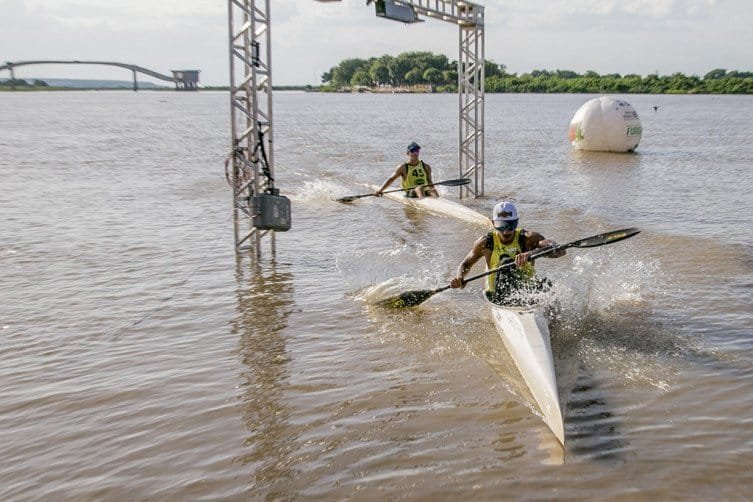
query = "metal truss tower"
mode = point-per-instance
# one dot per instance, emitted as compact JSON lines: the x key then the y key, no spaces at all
{"x":471,"y":102}
{"x":252,"y":154}
{"x":470,"y":20}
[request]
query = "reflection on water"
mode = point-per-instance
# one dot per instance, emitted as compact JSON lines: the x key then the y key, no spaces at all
{"x":586,"y":359}
{"x":265,"y":300}
{"x":604,"y":160}
{"x":596,"y":350}
{"x":591,"y":428}
{"x":414,"y":221}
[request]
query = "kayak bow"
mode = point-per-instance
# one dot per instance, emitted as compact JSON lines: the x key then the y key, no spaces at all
{"x":525,"y":333}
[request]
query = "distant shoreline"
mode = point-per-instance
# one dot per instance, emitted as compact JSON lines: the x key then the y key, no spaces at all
{"x":38,"y":88}
{"x":289,"y":89}
{"x":417,"y":89}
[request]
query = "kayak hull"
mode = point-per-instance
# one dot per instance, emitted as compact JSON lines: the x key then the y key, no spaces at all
{"x":525,"y":333}
{"x":441,"y":206}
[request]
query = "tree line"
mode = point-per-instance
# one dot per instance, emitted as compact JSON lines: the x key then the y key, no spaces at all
{"x":19,"y":82}
{"x":406,"y":69}
{"x":411,"y":68}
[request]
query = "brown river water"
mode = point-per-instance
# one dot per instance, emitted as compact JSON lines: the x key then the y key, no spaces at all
{"x":141,"y":359}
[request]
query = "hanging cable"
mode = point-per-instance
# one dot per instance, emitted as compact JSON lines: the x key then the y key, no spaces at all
{"x":259,"y":147}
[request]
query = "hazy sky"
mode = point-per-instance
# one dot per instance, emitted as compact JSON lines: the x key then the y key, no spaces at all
{"x":309,"y":37}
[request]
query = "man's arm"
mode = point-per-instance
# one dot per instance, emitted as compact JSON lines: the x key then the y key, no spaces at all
{"x":398,"y":173}
{"x":429,"y":181}
{"x":534,"y":241}
{"x":538,"y":241}
{"x":477,"y":251}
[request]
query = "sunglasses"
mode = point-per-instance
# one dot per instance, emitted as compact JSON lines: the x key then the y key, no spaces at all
{"x":414,"y":150}
{"x":506,"y":225}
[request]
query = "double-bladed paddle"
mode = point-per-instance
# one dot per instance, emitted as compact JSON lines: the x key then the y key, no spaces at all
{"x":413,"y":298}
{"x":449,"y":183}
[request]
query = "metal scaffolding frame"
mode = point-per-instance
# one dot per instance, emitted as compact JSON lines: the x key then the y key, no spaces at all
{"x":470,"y":20}
{"x":252,"y":153}
{"x":471,"y":107}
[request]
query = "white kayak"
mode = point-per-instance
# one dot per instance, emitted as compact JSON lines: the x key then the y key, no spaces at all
{"x":440,"y":206}
{"x":525,"y":333}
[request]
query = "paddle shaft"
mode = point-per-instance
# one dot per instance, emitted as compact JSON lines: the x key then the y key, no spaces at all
{"x":533,"y":256}
{"x":588,"y":242}
{"x":455,"y":182}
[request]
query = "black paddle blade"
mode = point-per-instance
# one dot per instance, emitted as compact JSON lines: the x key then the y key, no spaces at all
{"x":349,"y":198}
{"x":606,"y":238}
{"x":455,"y":183}
{"x":407,"y":299}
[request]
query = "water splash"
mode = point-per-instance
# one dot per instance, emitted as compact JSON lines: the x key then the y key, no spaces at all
{"x":372,"y":295}
{"x":605,"y":318}
{"x":391,"y":288}
{"x":320,"y":191}
{"x":603,"y":281}
{"x":365,"y":268}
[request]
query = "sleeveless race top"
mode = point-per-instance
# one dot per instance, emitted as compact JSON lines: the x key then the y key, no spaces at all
{"x":415,"y":175}
{"x":506,"y":252}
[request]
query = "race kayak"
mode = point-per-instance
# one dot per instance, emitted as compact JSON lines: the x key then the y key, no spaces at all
{"x":525,"y":333}
{"x":440,"y":206}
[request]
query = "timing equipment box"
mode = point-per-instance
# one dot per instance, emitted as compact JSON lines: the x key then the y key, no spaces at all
{"x":271,"y":212}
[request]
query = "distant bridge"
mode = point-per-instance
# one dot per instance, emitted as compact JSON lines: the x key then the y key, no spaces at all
{"x":185,"y":80}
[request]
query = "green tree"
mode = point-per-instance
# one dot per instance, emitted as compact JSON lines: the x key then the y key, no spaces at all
{"x":565,"y":74}
{"x":450,"y":76}
{"x":15,"y":82}
{"x":401,"y":65}
{"x":492,"y":69}
{"x":715,"y":74}
{"x":420,"y":67}
{"x":540,"y":73}
{"x":361,"y":78}
{"x":344,"y":72}
{"x":739,"y":74}
{"x":433,"y":76}
{"x":414,"y":76}
{"x":327,"y":75}
{"x":380,"y":73}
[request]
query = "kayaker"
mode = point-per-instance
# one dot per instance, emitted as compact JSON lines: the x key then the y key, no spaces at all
{"x":414,"y":172}
{"x":507,"y":243}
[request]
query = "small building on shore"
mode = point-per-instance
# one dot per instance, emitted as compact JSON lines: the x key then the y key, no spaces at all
{"x":186,"y":80}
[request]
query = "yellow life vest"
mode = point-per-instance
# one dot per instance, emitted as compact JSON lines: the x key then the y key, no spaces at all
{"x":414,"y":175}
{"x":501,"y":253}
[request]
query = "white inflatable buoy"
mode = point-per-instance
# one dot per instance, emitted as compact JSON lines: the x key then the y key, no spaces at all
{"x":605,"y":125}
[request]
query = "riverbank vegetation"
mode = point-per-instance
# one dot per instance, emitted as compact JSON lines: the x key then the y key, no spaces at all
{"x":425,"y":70}
{"x":19,"y":84}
